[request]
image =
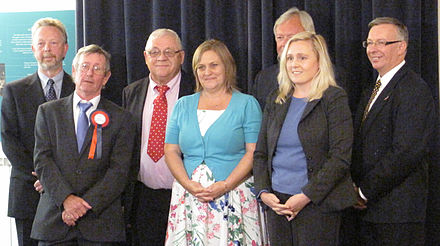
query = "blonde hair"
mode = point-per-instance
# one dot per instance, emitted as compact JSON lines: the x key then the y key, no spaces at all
{"x":225,"y":56}
{"x":322,"y":79}
{"x":50,"y":22}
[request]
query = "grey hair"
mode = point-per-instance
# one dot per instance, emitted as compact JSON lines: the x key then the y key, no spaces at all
{"x":304,"y":17}
{"x":163,"y":32}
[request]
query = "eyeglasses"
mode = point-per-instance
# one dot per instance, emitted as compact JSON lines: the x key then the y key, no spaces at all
{"x":168,"y":52}
{"x":378,"y":43}
{"x":96,"y":69}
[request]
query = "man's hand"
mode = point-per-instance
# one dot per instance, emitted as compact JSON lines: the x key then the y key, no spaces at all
{"x":75,"y":207}
{"x":68,"y":220}
{"x":37,"y":185}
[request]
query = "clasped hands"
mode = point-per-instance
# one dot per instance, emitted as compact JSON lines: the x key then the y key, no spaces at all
{"x":74,"y":208}
{"x":289,"y":209}
{"x":207,"y":194}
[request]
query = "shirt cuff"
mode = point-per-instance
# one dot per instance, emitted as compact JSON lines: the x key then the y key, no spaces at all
{"x":362,"y":195}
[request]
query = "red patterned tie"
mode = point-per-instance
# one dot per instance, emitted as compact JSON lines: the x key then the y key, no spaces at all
{"x":156,"y":138}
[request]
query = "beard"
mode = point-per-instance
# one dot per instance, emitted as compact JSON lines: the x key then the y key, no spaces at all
{"x":52,"y":65}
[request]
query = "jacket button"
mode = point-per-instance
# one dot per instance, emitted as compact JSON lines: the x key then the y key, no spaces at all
{"x":309,"y":158}
{"x":309,"y":170}
{"x":78,"y":172}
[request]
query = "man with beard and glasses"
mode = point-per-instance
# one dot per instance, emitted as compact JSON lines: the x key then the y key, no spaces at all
{"x":21,"y":99}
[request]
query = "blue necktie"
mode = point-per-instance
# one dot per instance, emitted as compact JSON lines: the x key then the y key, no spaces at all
{"x":83,"y":124}
{"x":51,"y":95}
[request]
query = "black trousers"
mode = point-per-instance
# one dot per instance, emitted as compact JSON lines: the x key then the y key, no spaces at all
{"x":392,"y":234}
{"x":76,"y":242}
{"x":309,"y":228}
{"x":74,"y":238}
{"x":151,"y":208}
{"x":24,"y":228}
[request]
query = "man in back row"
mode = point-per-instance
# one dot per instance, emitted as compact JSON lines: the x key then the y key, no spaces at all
{"x":147,"y":99}
{"x":291,"y":22}
{"x":21,"y":99}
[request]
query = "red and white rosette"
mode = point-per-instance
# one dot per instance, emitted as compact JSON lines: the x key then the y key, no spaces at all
{"x":100,"y":119}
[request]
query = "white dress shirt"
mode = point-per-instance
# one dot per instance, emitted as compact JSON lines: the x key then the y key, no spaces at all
{"x":156,"y":175}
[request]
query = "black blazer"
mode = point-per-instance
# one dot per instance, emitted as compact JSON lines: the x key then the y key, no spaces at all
{"x":326,"y":133}
{"x":391,"y":149}
{"x":21,"y":99}
{"x":63,"y":171}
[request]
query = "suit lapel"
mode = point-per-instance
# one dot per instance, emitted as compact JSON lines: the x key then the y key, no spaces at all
{"x":383,"y":99}
{"x":309,"y":107}
{"x":280,"y":112}
{"x":34,"y":85}
{"x":67,"y":114}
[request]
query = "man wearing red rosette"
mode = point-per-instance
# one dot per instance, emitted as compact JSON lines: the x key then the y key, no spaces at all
{"x":82,"y":166}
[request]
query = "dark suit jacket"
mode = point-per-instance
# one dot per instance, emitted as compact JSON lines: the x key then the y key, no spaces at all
{"x":325,"y":131}
{"x":390,"y":154}
{"x":266,"y":81}
{"x":63,"y":171}
{"x":21,"y":99}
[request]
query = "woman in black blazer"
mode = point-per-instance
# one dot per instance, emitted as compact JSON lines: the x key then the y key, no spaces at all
{"x":302,"y":158}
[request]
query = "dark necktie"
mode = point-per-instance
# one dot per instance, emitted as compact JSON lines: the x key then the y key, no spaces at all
{"x":51,"y":94}
{"x":156,"y":138}
{"x":82,"y":124}
{"x":373,"y":95}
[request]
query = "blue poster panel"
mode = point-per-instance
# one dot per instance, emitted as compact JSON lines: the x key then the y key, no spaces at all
{"x":16,"y":57}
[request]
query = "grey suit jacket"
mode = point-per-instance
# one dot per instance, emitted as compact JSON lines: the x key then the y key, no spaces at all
{"x":391,"y":149}
{"x":325,"y":131}
{"x":63,"y":171}
{"x":20,"y":102}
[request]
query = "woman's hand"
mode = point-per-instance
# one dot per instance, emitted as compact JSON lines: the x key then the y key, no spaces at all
{"x":195,"y":188}
{"x":273,"y":202}
{"x":296,"y":203}
{"x":213,"y":191}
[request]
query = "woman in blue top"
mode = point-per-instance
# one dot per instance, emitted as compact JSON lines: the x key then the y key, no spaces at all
{"x":302,"y":158}
{"x":216,"y":130}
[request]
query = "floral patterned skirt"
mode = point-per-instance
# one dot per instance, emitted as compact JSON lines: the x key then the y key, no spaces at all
{"x":231,"y":219}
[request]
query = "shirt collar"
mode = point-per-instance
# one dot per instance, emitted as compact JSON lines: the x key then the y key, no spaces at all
{"x":94,"y":101}
{"x":171,"y":84}
{"x":390,"y":74}
{"x":58,"y":79}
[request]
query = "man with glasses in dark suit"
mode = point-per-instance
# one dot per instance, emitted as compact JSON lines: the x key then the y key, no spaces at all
{"x":167,"y":81}
{"x":394,"y":129}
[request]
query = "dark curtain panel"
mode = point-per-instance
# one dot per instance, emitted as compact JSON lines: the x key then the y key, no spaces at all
{"x":122,"y":27}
